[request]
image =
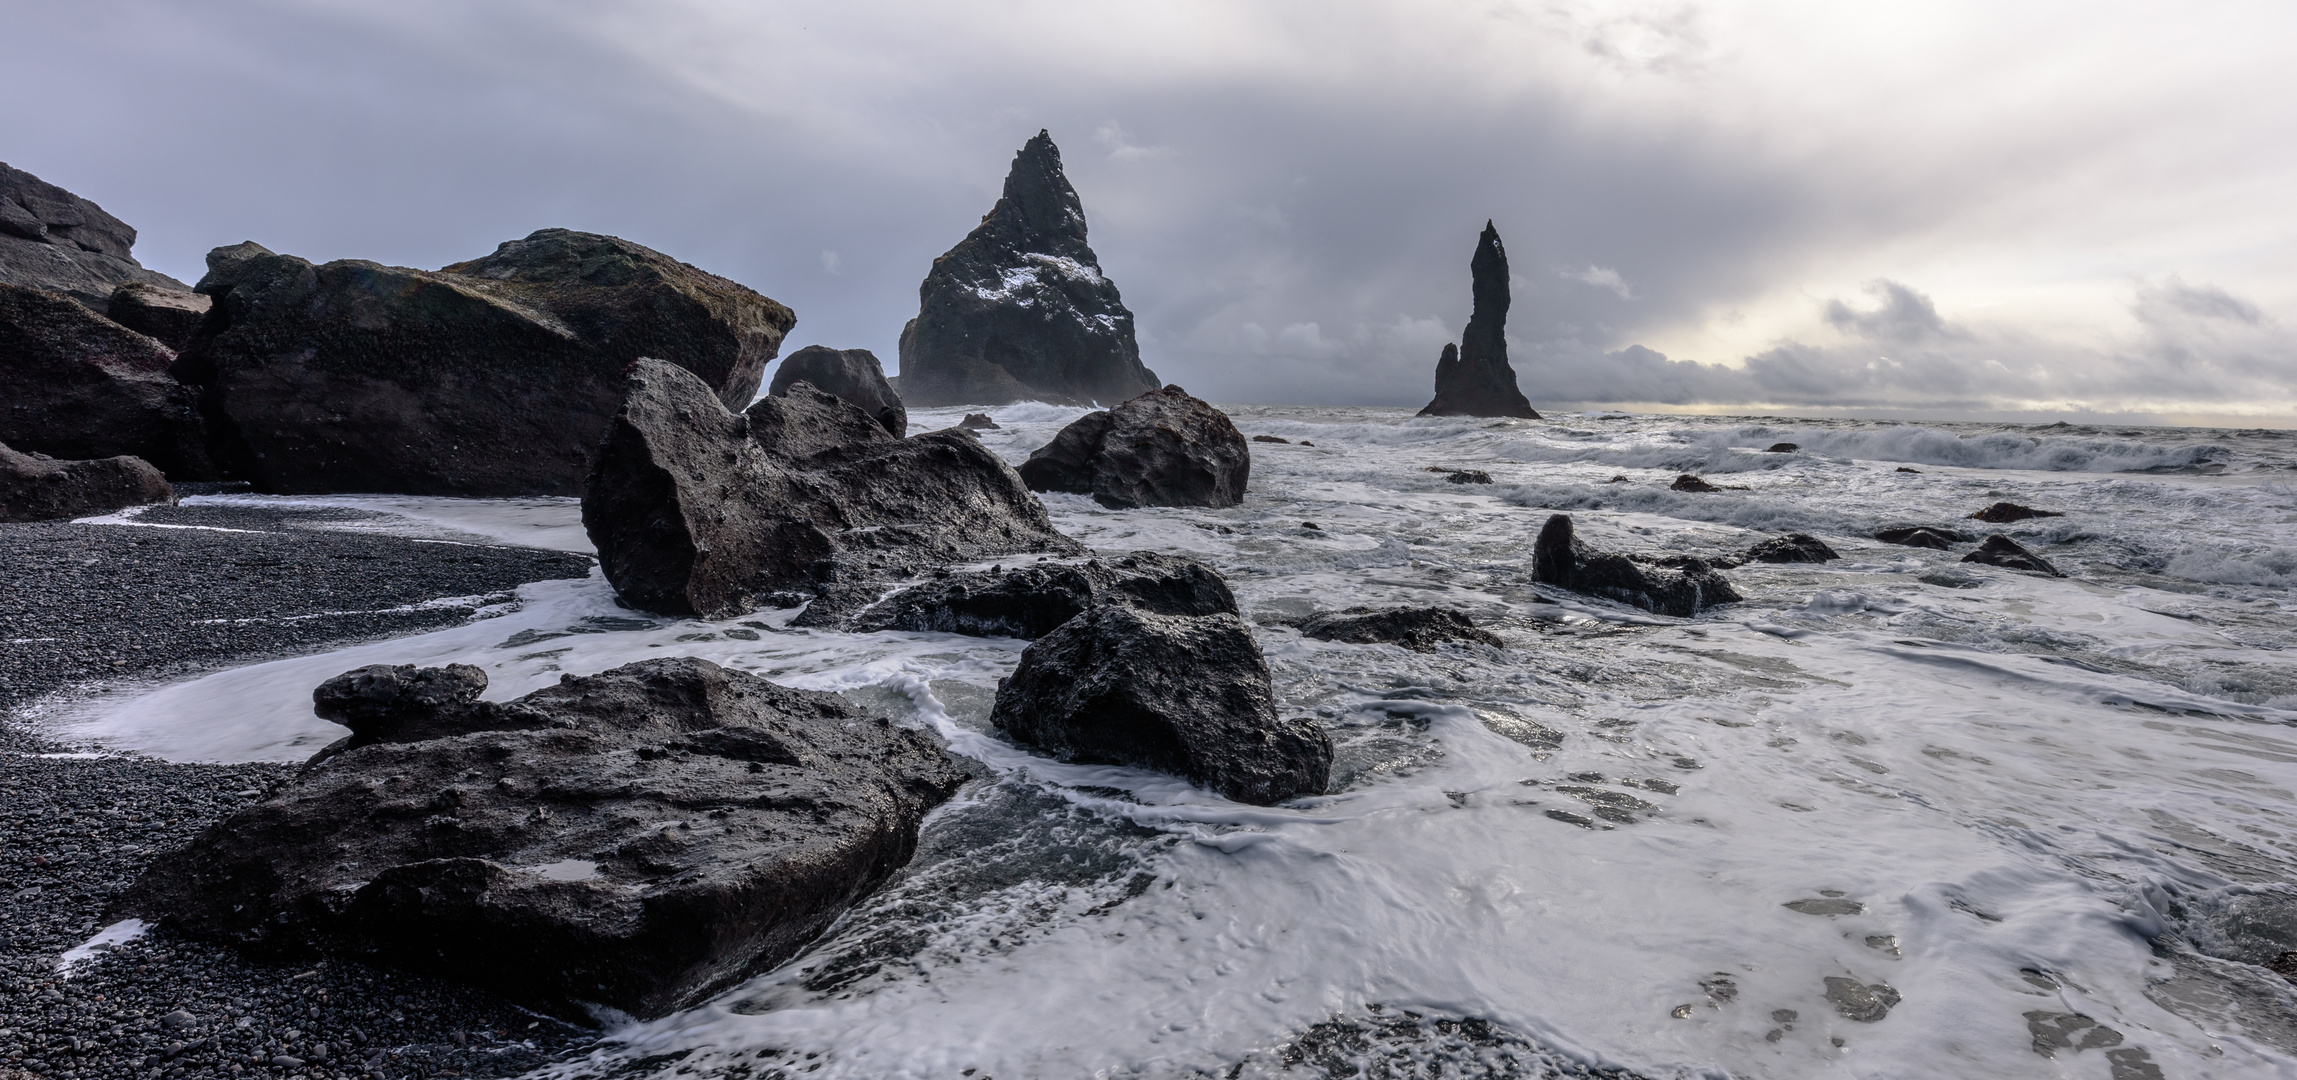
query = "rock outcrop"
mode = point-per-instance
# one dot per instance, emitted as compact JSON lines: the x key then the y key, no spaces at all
{"x":52,"y":239}
{"x":486,"y":378}
{"x":1178,"y":694}
{"x":2003,"y":513}
{"x":1688,"y":482}
{"x":36,"y":487}
{"x":1792,"y":548}
{"x":850,"y":375}
{"x":76,"y":385}
{"x":168,"y":316}
{"x":978,"y":422}
{"x":1031,"y":601}
{"x":1418,"y":629}
{"x":1558,"y":558}
{"x":700,"y":511}
{"x":1782,"y":448}
{"x":1019,"y":310}
{"x":1474,"y":378}
{"x":640,"y":838}
{"x":1923,"y":536}
{"x":2000,"y":550}
{"x":1163,"y":448}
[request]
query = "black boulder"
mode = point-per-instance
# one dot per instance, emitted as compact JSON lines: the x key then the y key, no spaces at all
{"x":74,"y":384}
{"x":1792,"y":548}
{"x":1163,"y":448}
{"x":2003,"y":513}
{"x":36,"y":487}
{"x":1558,"y":558}
{"x":1418,"y":629}
{"x":1923,"y":536}
{"x":2000,"y":550}
{"x":1031,"y":601}
{"x":850,"y":375}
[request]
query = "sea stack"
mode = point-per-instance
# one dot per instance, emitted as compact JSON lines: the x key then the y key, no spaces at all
{"x":1475,"y":378}
{"x":1019,"y":310}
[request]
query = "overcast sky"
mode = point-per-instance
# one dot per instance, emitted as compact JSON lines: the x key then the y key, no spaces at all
{"x":1940,"y":209}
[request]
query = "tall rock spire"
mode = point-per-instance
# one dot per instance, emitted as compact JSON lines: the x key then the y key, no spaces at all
{"x":1019,"y":309}
{"x":1475,"y":378}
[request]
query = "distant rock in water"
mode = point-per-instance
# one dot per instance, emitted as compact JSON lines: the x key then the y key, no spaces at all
{"x":1782,"y":448}
{"x":699,"y":511}
{"x":52,"y":239}
{"x":168,"y":316}
{"x":1792,"y":548}
{"x":1474,"y":378}
{"x":978,"y":422}
{"x":851,"y":375}
{"x":36,"y":487}
{"x":487,"y":378}
{"x":1019,"y":309}
{"x":540,"y":847}
{"x":1558,"y":558}
{"x":1031,"y":601}
{"x":1163,"y":448}
{"x":2000,"y":550}
{"x":78,"y":386}
{"x":2003,"y":513}
{"x":1417,"y":629}
{"x":1272,"y":439}
{"x":1688,"y":482}
{"x":1923,"y":536}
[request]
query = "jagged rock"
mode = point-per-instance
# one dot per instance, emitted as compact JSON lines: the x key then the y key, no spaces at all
{"x":2003,"y":513}
{"x":1183,"y":695}
{"x":1417,"y":629}
{"x":978,"y":422}
{"x":1163,"y":448}
{"x":1467,"y":476}
{"x":1923,"y":536}
{"x":487,"y":378}
{"x":1474,"y":377}
{"x":1271,"y":439}
{"x":36,"y":487}
{"x":1792,"y":548}
{"x":1019,"y":310}
{"x":851,"y":375}
{"x":1782,"y":448}
{"x":1688,"y":482}
{"x":52,"y":239}
{"x":641,"y":838}
{"x":696,"y":510}
{"x":1903,"y":468}
{"x":2000,"y":550}
{"x":168,"y":316}
{"x":76,"y":385}
{"x":1558,"y":558}
{"x":1030,"y":601}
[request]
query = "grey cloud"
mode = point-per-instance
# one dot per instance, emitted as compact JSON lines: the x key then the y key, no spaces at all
{"x":1901,"y":314}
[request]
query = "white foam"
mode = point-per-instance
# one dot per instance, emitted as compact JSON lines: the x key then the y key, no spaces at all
{"x":106,"y":939}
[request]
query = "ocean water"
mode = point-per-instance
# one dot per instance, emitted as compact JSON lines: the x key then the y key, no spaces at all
{"x":1891,"y":816}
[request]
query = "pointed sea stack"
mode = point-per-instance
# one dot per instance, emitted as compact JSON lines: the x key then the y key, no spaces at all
{"x":1019,"y":310}
{"x":1475,"y":378}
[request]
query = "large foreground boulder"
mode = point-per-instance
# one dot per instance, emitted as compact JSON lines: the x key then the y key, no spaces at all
{"x":36,"y":487}
{"x":74,"y":384}
{"x":52,"y":239}
{"x":491,"y":377}
{"x":1558,"y":558}
{"x":850,"y":375}
{"x":2000,"y":550}
{"x":1178,"y":694}
{"x":700,"y":511}
{"x":641,"y":838}
{"x":1019,"y":310}
{"x":1474,"y":378}
{"x":1418,"y":629}
{"x":1163,"y":448}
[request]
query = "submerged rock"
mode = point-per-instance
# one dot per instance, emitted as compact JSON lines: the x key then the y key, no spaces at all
{"x":850,"y":375}
{"x":168,"y":316}
{"x":1019,"y":310}
{"x":1418,"y":629}
{"x":1461,"y":476}
{"x":1272,"y":439}
{"x":2000,"y":550}
{"x":641,"y":838}
{"x":1178,"y":694}
{"x":1031,"y":601}
{"x":699,"y":511}
{"x":52,"y":239}
{"x":1782,"y":448}
{"x":1923,"y":536}
{"x":36,"y":487}
{"x":1163,"y":448}
{"x":1792,"y":548}
{"x":2003,"y":513}
{"x":492,"y":377}
{"x":1558,"y":558}
{"x":1474,"y":378}
{"x":1688,"y":482}
{"x":76,"y":385}
{"x":978,"y":422}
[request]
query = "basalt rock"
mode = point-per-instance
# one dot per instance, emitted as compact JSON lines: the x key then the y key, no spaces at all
{"x":1417,"y":629}
{"x":1467,"y":476}
{"x":1474,"y":378}
{"x":1782,"y":448}
{"x":978,"y":422}
{"x":2000,"y":550}
{"x":1177,"y":694}
{"x":36,"y":487}
{"x":851,"y":375}
{"x":52,"y":239}
{"x":486,"y":378}
{"x":1923,"y":536}
{"x":1019,"y":310}
{"x":700,"y":511}
{"x":1688,"y":482}
{"x":1558,"y":558}
{"x":1031,"y":601}
{"x":1272,"y":439}
{"x":641,"y":838}
{"x":1163,"y":448}
{"x":1792,"y":548}
{"x":76,"y":385}
{"x":2003,"y":513}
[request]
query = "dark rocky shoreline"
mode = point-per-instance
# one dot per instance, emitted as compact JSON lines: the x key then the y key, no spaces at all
{"x":86,"y":607}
